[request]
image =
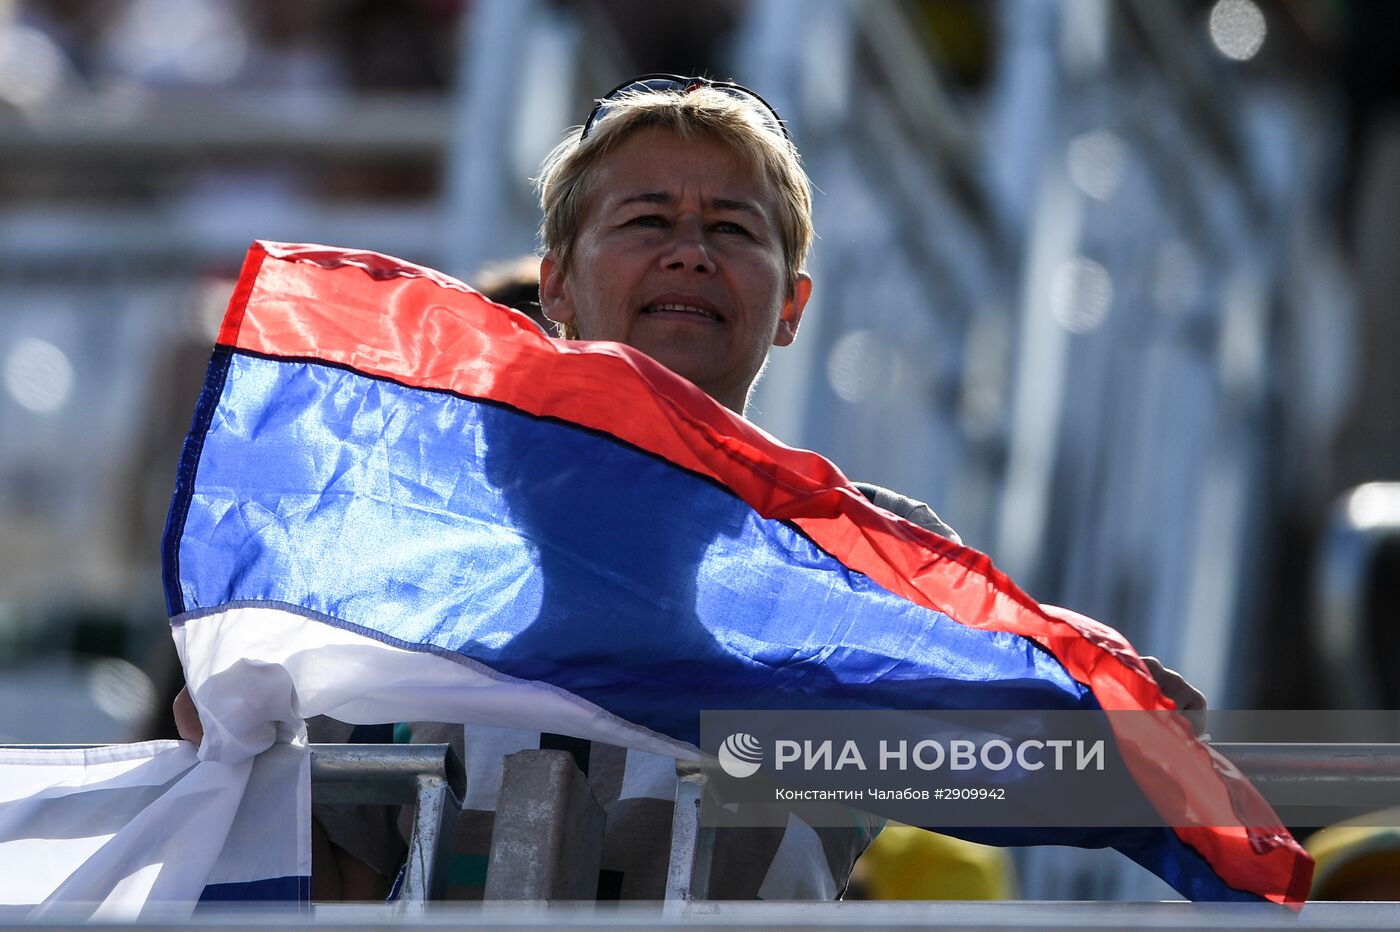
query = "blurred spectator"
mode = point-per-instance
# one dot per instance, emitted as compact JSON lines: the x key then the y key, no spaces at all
{"x":906,"y":863}
{"x":399,"y":45}
{"x":174,"y":44}
{"x":516,"y":284}
{"x":672,"y":36}
{"x":1358,"y":859}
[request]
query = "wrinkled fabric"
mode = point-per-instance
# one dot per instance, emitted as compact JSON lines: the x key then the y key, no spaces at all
{"x":629,"y":543}
{"x":145,"y":831}
{"x":399,"y":502}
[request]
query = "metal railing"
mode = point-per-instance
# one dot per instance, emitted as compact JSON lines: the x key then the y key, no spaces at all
{"x":548,"y":836}
{"x":429,"y":777}
{"x":549,"y":831}
{"x":1307,"y":784}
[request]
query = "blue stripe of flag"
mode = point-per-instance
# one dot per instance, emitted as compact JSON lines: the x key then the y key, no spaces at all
{"x":293,"y":889}
{"x":551,"y":553}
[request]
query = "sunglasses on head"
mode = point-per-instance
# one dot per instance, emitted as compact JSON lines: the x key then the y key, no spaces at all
{"x":675,"y":82}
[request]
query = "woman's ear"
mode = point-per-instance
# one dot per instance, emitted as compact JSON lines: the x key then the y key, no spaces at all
{"x":554,"y":291}
{"x":792,"y":310}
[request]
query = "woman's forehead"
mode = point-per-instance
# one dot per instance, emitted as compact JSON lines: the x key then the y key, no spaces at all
{"x":656,"y":163}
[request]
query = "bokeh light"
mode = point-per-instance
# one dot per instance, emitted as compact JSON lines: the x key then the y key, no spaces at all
{"x":1237,"y":28}
{"x":861,"y":367}
{"x":121,"y":690}
{"x":31,"y":66}
{"x":1376,"y":504}
{"x":1081,"y":292}
{"x":1095,"y":162}
{"x":38,"y":375}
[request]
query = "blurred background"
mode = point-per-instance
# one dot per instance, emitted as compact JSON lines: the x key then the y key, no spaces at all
{"x":1111,"y":284}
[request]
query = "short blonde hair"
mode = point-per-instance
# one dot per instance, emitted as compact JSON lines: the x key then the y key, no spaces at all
{"x":569,"y":175}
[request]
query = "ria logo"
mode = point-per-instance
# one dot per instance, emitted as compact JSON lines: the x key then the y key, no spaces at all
{"x":740,"y":755}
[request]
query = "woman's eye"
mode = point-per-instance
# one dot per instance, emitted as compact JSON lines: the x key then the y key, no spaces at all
{"x":648,"y":220}
{"x":731,"y":227}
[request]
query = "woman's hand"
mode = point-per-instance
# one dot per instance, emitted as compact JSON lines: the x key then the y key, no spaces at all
{"x":1189,"y":700}
{"x":187,"y":721}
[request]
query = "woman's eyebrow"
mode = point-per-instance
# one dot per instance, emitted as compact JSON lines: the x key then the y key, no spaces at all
{"x":724,"y":203}
{"x":647,"y":197}
{"x":664,"y":198}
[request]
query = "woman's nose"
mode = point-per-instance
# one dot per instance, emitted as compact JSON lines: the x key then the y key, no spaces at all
{"x":688,"y":249}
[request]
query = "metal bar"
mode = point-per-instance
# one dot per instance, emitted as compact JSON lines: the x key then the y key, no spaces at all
{"x":547,"y":842}
{"x":336,"y":767}
{"x":430,"y":845}
{"x":1314,"y":764}
{"x":487,"y":106}
{"x":382,"y":773}
{"x":373,"y":774}
{"x":99,"y":130}
{"x":1322,"y":784}
{"x":1026,"y":914}
{"x":919,"y":90}
{"x":692,"y":842}
{"x":54,"y":239}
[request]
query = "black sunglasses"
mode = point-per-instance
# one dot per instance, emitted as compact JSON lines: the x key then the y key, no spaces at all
{"x":674,"y":82}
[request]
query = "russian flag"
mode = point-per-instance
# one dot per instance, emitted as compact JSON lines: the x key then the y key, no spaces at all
{"x":402,"y":502}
